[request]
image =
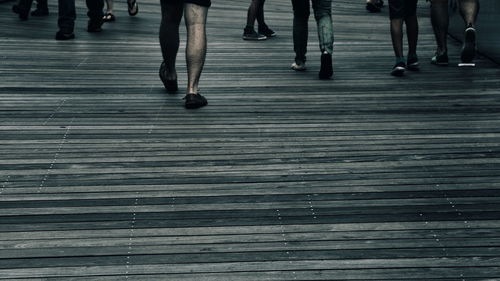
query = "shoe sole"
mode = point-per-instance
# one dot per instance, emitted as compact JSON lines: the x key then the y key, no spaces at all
{"x":469,"y":48}
{"x":326,"y":69}
{"x":254,"y":39}
{"x":398,"y":71}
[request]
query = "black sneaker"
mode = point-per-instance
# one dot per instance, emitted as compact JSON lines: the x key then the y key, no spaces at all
{"x":170,"y":85}
{"x":60,"y":35}
{"x":266,"y":31}
{"x":195,"y":101}
{"x":469,"y":46}
{"x":398,"y":69}
{"x":372,"y":8}
{"x":326,"y":70}
{"x":40,"y":13}
{"x":250,"y":34}
{"x":412,"y":63}
{"x":440,"y":59}
{"x":94,"y":25}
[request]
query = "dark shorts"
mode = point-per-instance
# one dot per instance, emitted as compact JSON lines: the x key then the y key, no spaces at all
{"x":402,"y":9}
{"x":204,"y":3}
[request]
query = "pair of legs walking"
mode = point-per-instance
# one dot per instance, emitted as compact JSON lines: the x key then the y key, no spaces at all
{"x":256,"y":13}
{"x":67,"y":17}
{"x":469,"y":10}
{"x":323,"y":16}
{"x":404,"y":11}
{"x":195,"y":17}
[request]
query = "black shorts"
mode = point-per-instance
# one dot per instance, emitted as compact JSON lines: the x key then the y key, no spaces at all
{"x":402,"y":9}
{"x":204,"y":3}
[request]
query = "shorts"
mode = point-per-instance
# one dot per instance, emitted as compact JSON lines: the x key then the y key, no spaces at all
{"x":402,"y":9}
{"x":204,"y":3}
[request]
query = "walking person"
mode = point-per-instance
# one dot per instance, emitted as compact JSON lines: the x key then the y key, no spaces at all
{"x":67,"y":16}
{"x":195,"y":17}
{"x":23,"y":7}
{"x":469,"y":10}
{"x":404,"y":11}
{"x":132,"y":6}
{"x":256,"y":12}
{"x":323,"y":16}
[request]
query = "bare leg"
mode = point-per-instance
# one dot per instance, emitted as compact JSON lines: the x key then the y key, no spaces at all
{"x":440,"y":22}
{"x":169,"y":35}
{"x":109,"y":5}
{"x":469,"y":10}
{"x":397,"y":37}
{"x":195,"y":17}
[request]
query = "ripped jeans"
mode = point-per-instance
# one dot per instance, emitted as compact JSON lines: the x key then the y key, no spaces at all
{"x":323,"y":16}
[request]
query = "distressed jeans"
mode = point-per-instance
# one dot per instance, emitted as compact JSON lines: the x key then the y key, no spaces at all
{"x":323,"y":16}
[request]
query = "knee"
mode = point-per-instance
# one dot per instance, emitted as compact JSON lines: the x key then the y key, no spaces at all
{"x":321,"y":13}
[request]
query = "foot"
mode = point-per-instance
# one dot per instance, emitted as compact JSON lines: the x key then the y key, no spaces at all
{"x":469,"y":46}
{"x":379,"y":3}
{"x":326,"y":70}
{"x":94,"y":25}
{"x":61,"y":35}
{"x":372,"y":8}
{"x":398,"y":69}
{"x":195,"y":101}
{"x":299,"y":66}
{"x":169,"y":84}
{"x":412,"y":63}
{"x":108,"y":17}
{"x":23,"y":14}
{"x":133,"y":7}
{"x":251,"y":34}
{"x":440,"y":59}
{"x":40,"y":13}
{"x":266,"y":31}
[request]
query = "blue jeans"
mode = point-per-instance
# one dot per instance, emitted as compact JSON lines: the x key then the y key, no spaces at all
{"x":323,"y":16}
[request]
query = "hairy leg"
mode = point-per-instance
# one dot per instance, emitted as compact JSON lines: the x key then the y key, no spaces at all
{"x":195,"y":17}
{"x":440,"y":23}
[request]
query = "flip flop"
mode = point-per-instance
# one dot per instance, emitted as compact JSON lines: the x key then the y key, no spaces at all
{"x":108,"y":17}
{"x":133,"y":8}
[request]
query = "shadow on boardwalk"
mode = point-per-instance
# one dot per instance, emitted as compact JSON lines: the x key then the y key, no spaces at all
{"x":104,"y":176}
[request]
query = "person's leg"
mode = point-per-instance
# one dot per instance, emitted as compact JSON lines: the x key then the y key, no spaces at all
{"x":411,"y":22}
{"x":196,"y":48}
{"x":323,"y":17}
{"x":95,"y":15}
{"x":171,"y":15}
{"x":23,"y":8}
{"x":263,"y":28}
{"x":300,"y":29}
{"x":249,"y":32}
{"x":109,"y":6}
{"x":440,"y":23}
{"x":469,"y":10}
{"x":42,"y":9}
{"x":397,"y":37}
{"x":66,"y":19}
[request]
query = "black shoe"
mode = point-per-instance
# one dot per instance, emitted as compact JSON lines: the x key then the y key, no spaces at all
{"x":469,"y":47}
{"x":23,"y":14}
{"x":94,"y":25}
{"x":250,"y":34}
{"x":266,"y":31}
{"x":380,"y":3}
{"x":60,"y":35}
{"x":440,"y":59}
{"x":372,"y":8}
{"x":412,"y":63}
{"x":195,"y":101}
{"x":326,"y":70}
{"x":40,"y":13}
{"x":398,"y":69}
{"x":170,"y":85}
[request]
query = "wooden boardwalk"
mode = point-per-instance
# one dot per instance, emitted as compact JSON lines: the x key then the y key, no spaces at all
{"x":104,"y":176}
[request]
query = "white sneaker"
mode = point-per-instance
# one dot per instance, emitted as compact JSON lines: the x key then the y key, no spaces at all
{"x":299,"y":66}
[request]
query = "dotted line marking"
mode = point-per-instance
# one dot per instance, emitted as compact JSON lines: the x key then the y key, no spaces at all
{"x":54,"y":113}
{"x":4,"y":184}
{"x":285,"y":241}
{"x":56,"y":155}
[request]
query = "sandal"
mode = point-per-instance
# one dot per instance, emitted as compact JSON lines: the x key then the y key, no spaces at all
{"x":108,"y":17}
{"x":133,"y":7}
